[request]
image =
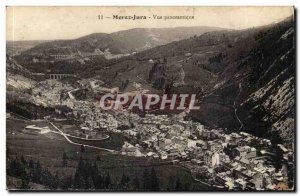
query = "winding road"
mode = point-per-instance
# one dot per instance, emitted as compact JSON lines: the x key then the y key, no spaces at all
{"x":235,"y":110}
{"x":78,"y":144}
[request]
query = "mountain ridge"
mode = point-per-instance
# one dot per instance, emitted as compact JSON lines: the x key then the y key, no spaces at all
{"x":125,"y":41}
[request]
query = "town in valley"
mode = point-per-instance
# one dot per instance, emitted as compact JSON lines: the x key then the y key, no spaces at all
{"x":237,"y":135}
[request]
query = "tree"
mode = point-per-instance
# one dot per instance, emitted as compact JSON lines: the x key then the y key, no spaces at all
{"x":154,"y":185}
{"x":31,"y":164}
{"x":79,"y":174}
{"x":171,"y":183}
{"x":48,"y":179}
{"x":136,"y":183}
{"x":37,"y":173}
{"x":95,"y":172}
{"x":291,"y":175}
{"x":98,"y":158}
{"x":16,"y":168}
{"x":82,"y":149}
{"x":107,"y":181}
{"x":178,"y":186}
{"x":80,"y":184}
{"x":25,"y":183}
{"x":33,"y":172}
{"x":89,"y":183}
{"x":275,"y":140}
{"x":278,"y":158}
{"x":65,"y":160}
{"x":146,"y":180}
{"x":138,"y":136}
{"x":98,"y":182}
{"x":23,"y":161}
{"x":187,"y":186}
{"x":124,"y":180}
{"x":67,"y":183}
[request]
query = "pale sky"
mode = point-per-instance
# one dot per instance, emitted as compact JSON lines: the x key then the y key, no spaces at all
{"x":49,"y":23}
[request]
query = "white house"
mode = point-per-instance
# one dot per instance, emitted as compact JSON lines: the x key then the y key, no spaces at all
{"x":211,"y":159}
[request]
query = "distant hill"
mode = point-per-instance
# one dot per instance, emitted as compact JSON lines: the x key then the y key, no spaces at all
{"x":121,"y":42}
{"x":16,"y":47}
{"x":140,"y":39}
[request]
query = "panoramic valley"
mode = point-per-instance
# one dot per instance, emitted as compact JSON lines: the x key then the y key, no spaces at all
{"x":241,"y":138}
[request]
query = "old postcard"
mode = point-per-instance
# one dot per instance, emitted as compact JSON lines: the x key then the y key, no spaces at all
{"x":150,"y":98}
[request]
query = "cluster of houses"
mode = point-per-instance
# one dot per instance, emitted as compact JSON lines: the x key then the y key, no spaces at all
{"x":214,"y":156}
{"x":49,"y":93}
{"x":229,"y":160}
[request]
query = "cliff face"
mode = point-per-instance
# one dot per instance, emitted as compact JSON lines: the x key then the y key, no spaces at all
{"x":274,"y":96}
{"x":258,"y":84}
